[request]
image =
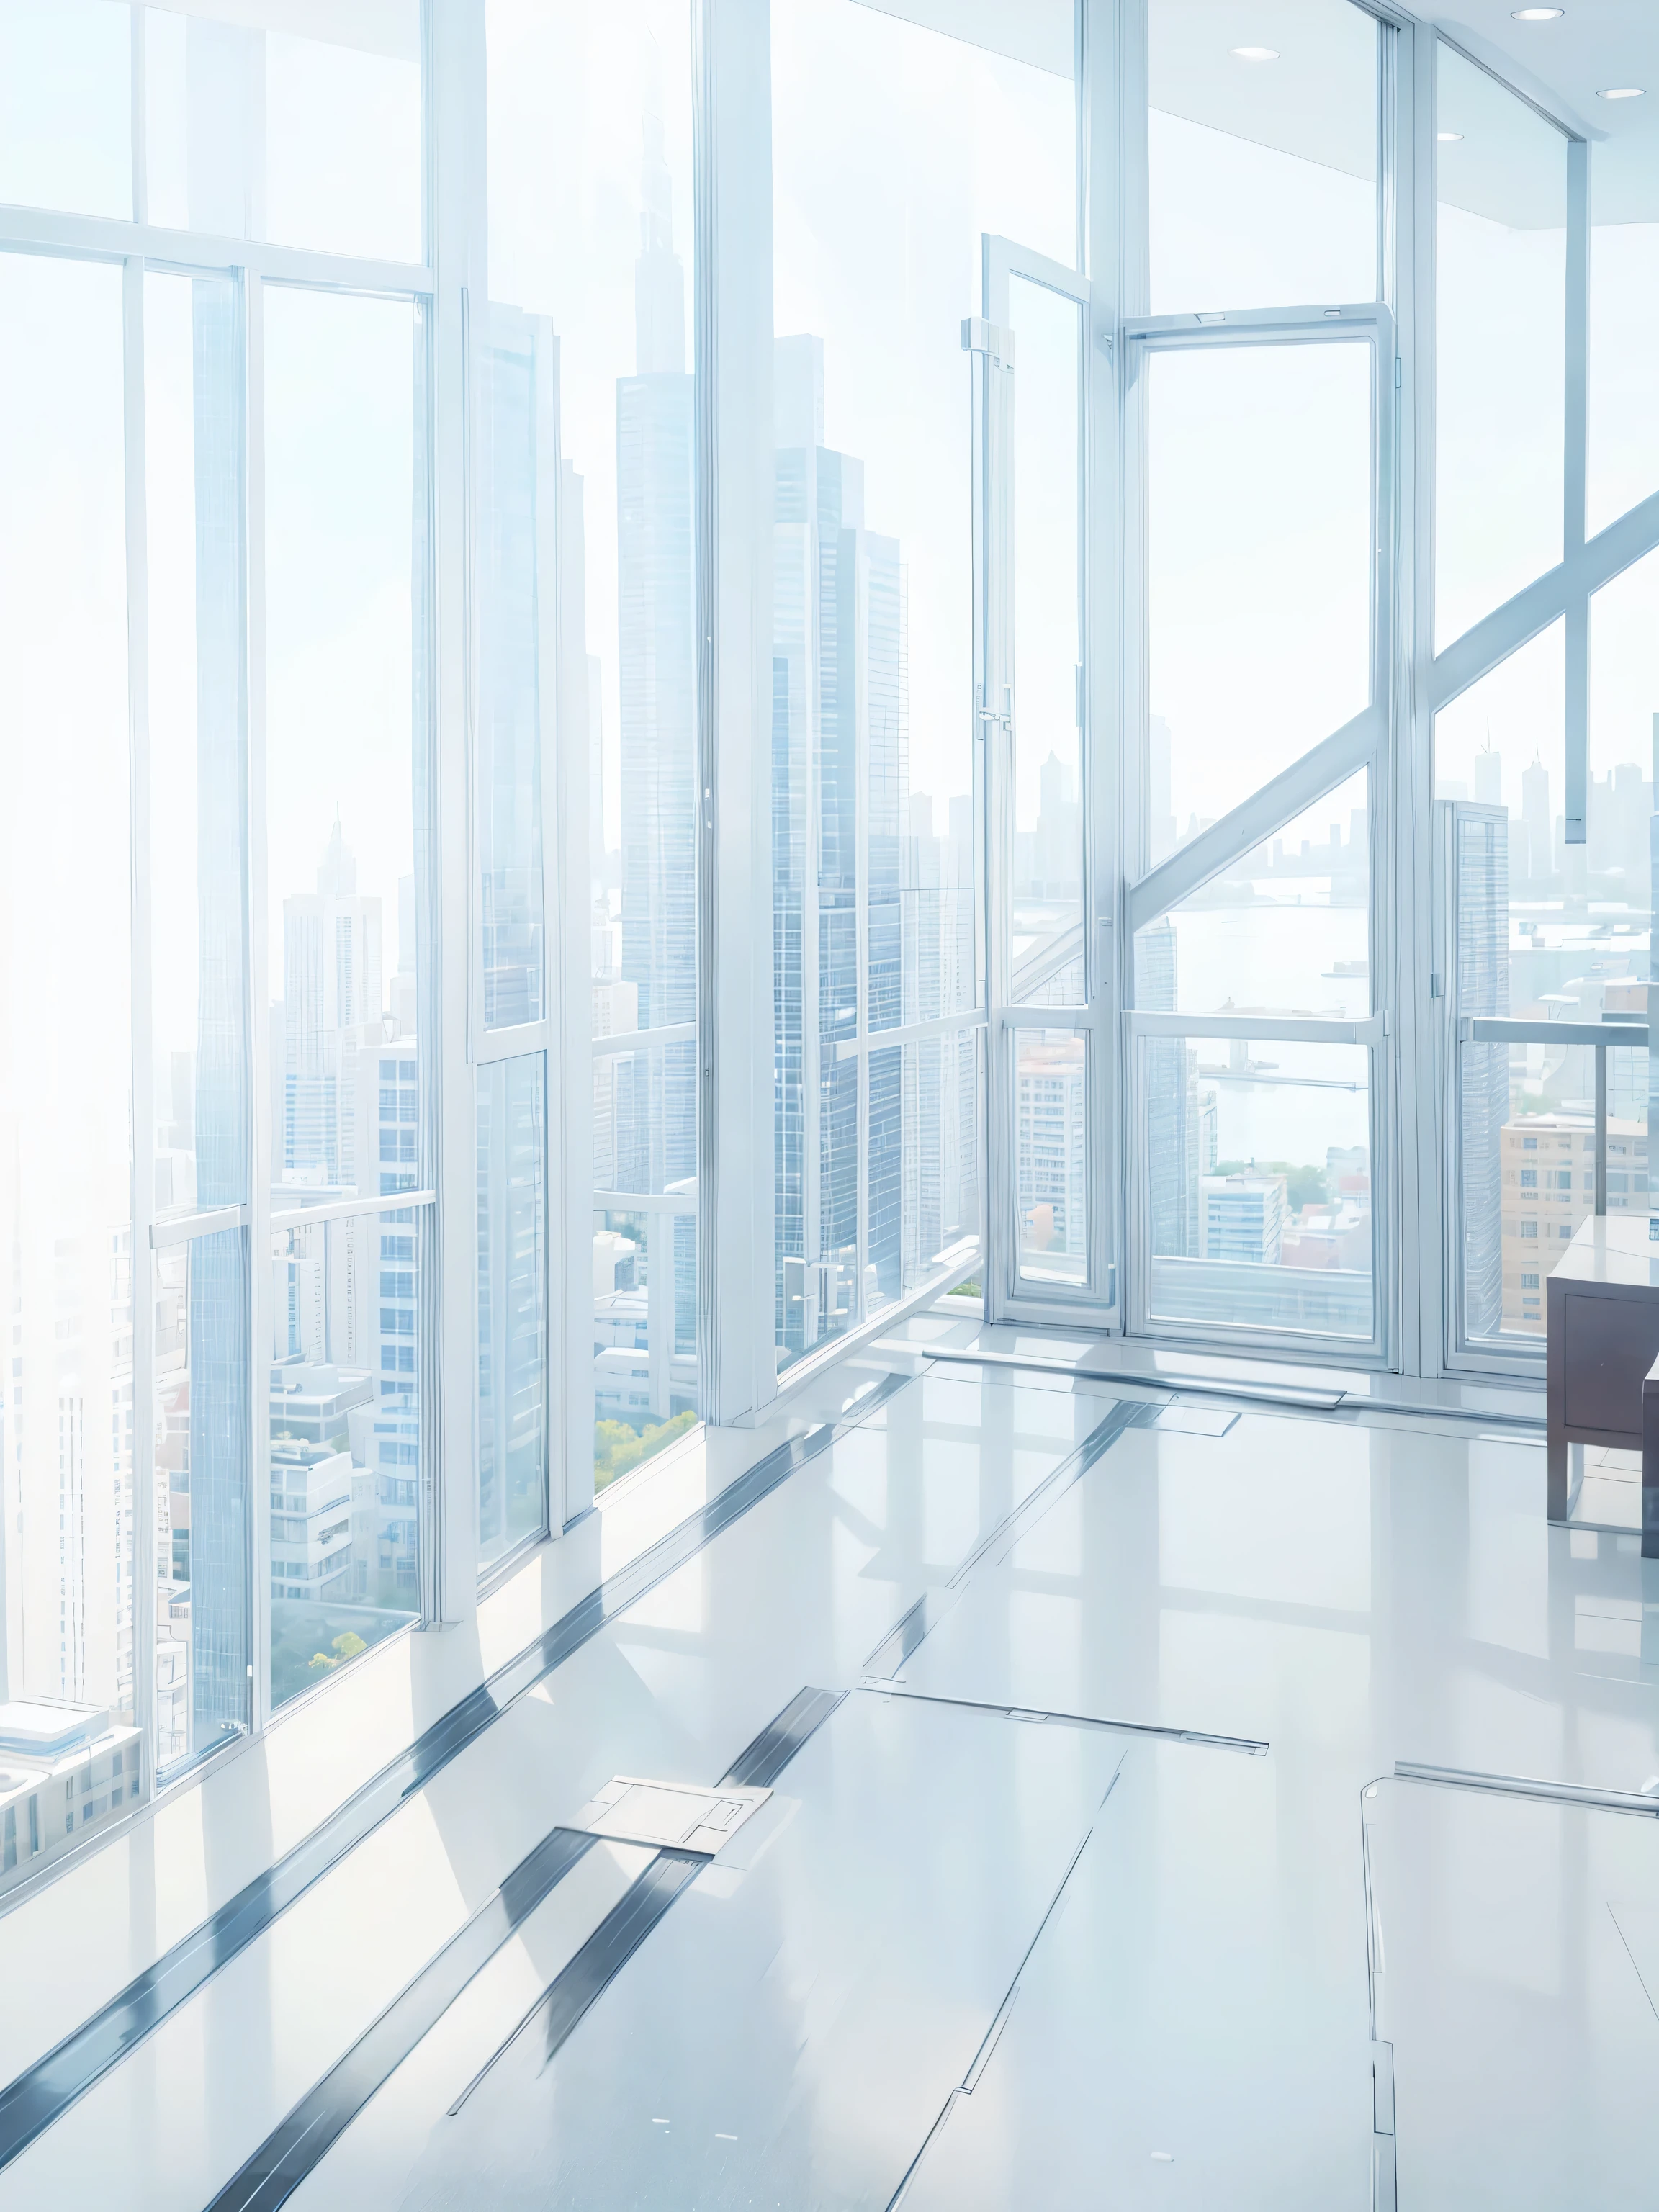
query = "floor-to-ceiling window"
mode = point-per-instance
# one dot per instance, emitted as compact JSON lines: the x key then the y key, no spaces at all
{"x":1546,"y":684}
{"x":902,"y":138}
{"x":589,"y":427}
{"x":215,"y":1202}
{"x":1258,"y":397}
{"x":1134,"y":787}
{"x":69,"y":1533}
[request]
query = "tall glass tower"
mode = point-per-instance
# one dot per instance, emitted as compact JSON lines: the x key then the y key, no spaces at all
{"x":655,"y":1103}
{"x":840,"y":778}
{"x":1481,"y":861}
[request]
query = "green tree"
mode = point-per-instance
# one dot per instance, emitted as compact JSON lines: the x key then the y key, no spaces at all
{"x":618,"y":1446}
{"x":344,"y":1647}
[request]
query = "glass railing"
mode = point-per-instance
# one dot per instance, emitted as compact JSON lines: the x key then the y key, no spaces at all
{"x":1551,"y":1131}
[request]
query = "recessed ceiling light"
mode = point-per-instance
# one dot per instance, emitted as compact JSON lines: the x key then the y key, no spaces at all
{"x":1536,"y":14}
{"x":1254,"y":53}
{"x":1450,"y":138}
{"x":1624,"y":92}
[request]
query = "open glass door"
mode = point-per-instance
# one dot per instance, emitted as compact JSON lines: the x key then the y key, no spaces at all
{"x":1046,"y":1244}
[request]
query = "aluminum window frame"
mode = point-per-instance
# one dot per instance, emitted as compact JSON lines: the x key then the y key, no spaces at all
{"x":1564,"y":592}
{"x":1364,"y":742}
{"x":1009,"y":1295}
{"x":136,"y":247}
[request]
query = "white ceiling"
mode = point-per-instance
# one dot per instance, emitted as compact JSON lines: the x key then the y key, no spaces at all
{"x":1315,"y":101}
{"x":1595,"y":45}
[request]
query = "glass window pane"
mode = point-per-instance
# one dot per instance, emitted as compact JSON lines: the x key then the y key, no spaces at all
{"x":203,"y":1363}
{"x":944,"y":1087}
{"x":1526,"y":1167}
{"x":1052,"y":1155}
{"x":198,"y":776}
{"x":512,"y":1426}
{"x":1047,"y":478}
{"x":1617,"y":863}
{"x":67,"y":1503}
{"x":343,"y":649}
{"x":1258,"y":1181}
{"x":1259,"y":566}
{"x":1262,"y":145}
{"x":590,"y":241}
{"x":66,"y":105}
{"x":516,"y":588}
{"x":884,"y":1270}
{"x":1551,"y":932}
{"x":1623,"y":317}
{"x":345,"y":1428}
{"x":1502,"y":746}
{"x":923,"y":1205}
{"x":1285,"y":931}
{"x":875,"y":265}
{"x":644,"y":1366}
{"x":297,"y":124}
{"x":1501,"y":345}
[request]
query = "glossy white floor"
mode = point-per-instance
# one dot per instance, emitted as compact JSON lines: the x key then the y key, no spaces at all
{"x":982,"y":1960}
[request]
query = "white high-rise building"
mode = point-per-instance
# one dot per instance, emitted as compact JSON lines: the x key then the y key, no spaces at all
{"x":333,"y":1014}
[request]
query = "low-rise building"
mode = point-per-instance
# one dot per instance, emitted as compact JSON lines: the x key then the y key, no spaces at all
{"x":64,"y":1769}
{"x":1548,"y":1168}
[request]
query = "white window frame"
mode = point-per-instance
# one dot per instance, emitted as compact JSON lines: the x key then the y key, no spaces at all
{"x":1364,"y":741}
{"x":137,"y":246}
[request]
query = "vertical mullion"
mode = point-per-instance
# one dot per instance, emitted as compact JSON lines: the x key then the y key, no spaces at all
{"x":261,"y":1289}
{"x":861,"y":910}
{"x":1385,"y":1184}
{"x":144,"y":1561}
{"x":443,"y":1091}
{"x":567,"y":966}
{"x":705,"y":361}
{"x":1430,"y":1259}
{"x":996,"y":388}
{"x":1388,"y":813}
{"x":454,"y":94}
{"x":1123,"y":231}
{"x":465,"y":430}
{"x":1099,"y":258}
{"x":990,"y":1122}
{"x":1573,"y":478}
{"x":140,"y":121}
{"x":812,"y":1009}
{"x":734,"y":477}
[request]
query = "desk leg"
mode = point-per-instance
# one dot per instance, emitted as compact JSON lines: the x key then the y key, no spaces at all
{"x":1556,"y":1455}
{"x":1650,"y":1467}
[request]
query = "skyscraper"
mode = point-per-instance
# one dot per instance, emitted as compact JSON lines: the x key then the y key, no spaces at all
{"x":515,"y":600}
{"x":840,"y":770}
{"x":332,"y":1016}
{"x":1535,"y":820}
{"x":1481,"y":863}
{"x":654,"y":1100}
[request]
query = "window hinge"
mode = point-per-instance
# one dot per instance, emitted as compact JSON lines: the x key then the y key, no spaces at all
{"x":989,"y":338}
{"x":1005,"y":720}
{"x":1399,"y":372}
{"x":1436,"y":989}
